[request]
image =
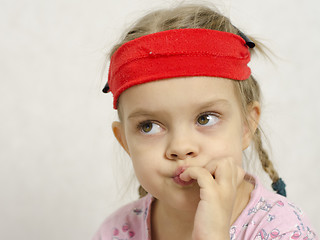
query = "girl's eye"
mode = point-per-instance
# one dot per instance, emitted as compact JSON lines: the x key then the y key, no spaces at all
{"x":207,"y":119}
{"x":149,"y":128}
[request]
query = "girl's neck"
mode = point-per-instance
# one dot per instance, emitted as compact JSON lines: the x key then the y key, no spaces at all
{"x":169,"y":223}
{"x":242,"y":199}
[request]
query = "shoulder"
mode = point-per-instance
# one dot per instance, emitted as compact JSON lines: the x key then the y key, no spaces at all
{"x":130,"y":221}
{"x":271,"y":216}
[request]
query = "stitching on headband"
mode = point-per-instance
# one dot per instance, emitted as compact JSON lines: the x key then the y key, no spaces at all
{"x":186,"y":54}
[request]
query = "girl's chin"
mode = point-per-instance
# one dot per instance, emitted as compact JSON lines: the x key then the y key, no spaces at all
{"x":184,"y":200}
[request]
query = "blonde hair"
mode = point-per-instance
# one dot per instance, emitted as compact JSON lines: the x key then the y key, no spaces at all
{"x":200,"y":16}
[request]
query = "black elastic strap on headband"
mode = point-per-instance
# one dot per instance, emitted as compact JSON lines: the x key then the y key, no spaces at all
{"x":106,"y":88}
{"x":249,"y":42}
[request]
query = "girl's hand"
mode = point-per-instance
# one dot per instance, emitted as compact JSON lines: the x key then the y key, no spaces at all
{"x":218,"y":182}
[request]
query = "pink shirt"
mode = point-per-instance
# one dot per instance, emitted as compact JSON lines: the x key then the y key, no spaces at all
{"x":267,"y":216}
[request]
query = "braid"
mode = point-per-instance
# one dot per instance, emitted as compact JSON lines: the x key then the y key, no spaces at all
{"x":264,"y":158}
{"x":277,"y":183}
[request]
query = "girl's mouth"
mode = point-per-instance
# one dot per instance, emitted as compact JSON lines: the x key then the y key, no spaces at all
{"x":176,"y":178}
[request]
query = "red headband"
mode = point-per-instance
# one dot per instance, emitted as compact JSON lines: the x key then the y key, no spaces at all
{"x":177,"y":53}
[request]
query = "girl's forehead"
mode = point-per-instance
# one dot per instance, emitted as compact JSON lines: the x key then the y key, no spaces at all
{"x":180,"y":92}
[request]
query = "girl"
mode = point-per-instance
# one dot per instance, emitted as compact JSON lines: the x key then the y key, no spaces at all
{"x":188,"y":108}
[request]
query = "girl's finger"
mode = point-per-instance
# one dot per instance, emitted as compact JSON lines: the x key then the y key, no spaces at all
{"x":226,"y":172}
{"x":223,"y":170}
{"x":202,"y":175}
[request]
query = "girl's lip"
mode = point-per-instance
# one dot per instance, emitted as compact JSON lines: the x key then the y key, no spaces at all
{"x":179,"y":171}
{"x":176,"y":178}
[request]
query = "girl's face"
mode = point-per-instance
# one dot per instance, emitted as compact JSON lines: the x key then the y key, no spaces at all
{"x":180,"y":122}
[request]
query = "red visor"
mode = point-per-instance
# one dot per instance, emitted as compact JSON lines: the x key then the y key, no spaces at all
{"x":177,"y":53}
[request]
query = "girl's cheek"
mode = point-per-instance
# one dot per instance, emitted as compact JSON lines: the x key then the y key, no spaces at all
{"x":224,"y":148}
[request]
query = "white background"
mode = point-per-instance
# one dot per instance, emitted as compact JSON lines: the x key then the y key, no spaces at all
{"x":58,"y":156}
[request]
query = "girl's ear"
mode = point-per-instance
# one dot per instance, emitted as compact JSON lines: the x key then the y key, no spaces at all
{"x":118,"y":132}
{"x":252,"y":124}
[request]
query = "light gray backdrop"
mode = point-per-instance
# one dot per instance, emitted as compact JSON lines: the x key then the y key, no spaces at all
{"x":58,"y":155}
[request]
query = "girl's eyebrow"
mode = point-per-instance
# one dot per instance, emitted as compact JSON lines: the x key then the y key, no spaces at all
{"x":220,"y":102}
{"x":199,"y":106}
{"x":142,"y":112}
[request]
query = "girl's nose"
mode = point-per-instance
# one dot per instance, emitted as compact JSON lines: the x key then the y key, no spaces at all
{"x":181,"y":147}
